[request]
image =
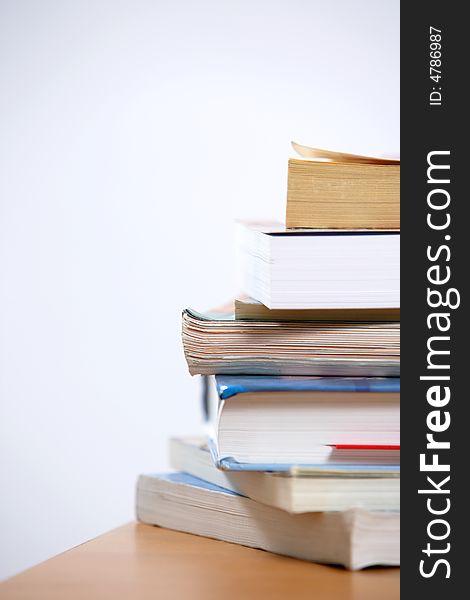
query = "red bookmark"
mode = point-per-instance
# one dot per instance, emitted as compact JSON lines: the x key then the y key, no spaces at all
{"x":363,"y":447}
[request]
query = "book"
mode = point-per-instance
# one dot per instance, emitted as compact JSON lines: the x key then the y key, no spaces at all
{"x":297,"y":490}
{"x":333,"y":190}
{"x":355,"y":538}
{"x":218,"y":343}
{"x":249,"y":309}
{"x":272,"y":423}
{"x":305,"y":269}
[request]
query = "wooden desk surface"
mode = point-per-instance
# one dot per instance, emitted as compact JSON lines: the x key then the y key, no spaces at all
{"x":140,"y":561}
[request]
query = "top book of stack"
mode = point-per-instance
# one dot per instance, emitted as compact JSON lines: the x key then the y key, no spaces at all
{"x":342,"y":191}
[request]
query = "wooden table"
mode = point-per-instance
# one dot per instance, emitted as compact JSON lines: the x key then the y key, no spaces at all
{"x":140,"y":561}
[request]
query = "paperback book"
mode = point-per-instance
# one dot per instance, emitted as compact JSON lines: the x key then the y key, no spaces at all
{"x":342,"y":191}
{"x":355,"y":538}
{"x":217,"y":343}
{"x":297,"y":490}
{"x":319,"y":268}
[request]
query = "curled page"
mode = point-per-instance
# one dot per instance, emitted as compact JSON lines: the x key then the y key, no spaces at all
{"x":341,"y":157}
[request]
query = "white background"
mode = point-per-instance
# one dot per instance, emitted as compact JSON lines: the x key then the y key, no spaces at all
{"x":132,"y":133}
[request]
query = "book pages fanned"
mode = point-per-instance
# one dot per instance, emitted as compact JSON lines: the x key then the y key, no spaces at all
{"x":341,"y":157}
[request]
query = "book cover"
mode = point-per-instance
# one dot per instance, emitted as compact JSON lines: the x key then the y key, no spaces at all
{"x":230,"y":385}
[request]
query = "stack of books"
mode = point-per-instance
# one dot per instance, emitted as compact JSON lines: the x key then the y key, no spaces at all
{"x":300,"y":380}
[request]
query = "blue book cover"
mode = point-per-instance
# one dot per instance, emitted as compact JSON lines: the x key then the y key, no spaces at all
{"x":187,"y":479}
{"x":230,"y":385}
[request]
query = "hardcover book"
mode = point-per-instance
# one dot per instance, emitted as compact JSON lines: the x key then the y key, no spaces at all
{"x":271,"y":423}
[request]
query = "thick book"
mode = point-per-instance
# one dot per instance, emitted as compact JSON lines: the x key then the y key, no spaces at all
{"x":313,"y":269}
{"x":271,"y":423}
{"x":249,"y":309}
{"x":355,"y":538}
{"x":342,"y":192}
{"x":218,"y":343}
{"x":298,"y":490}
